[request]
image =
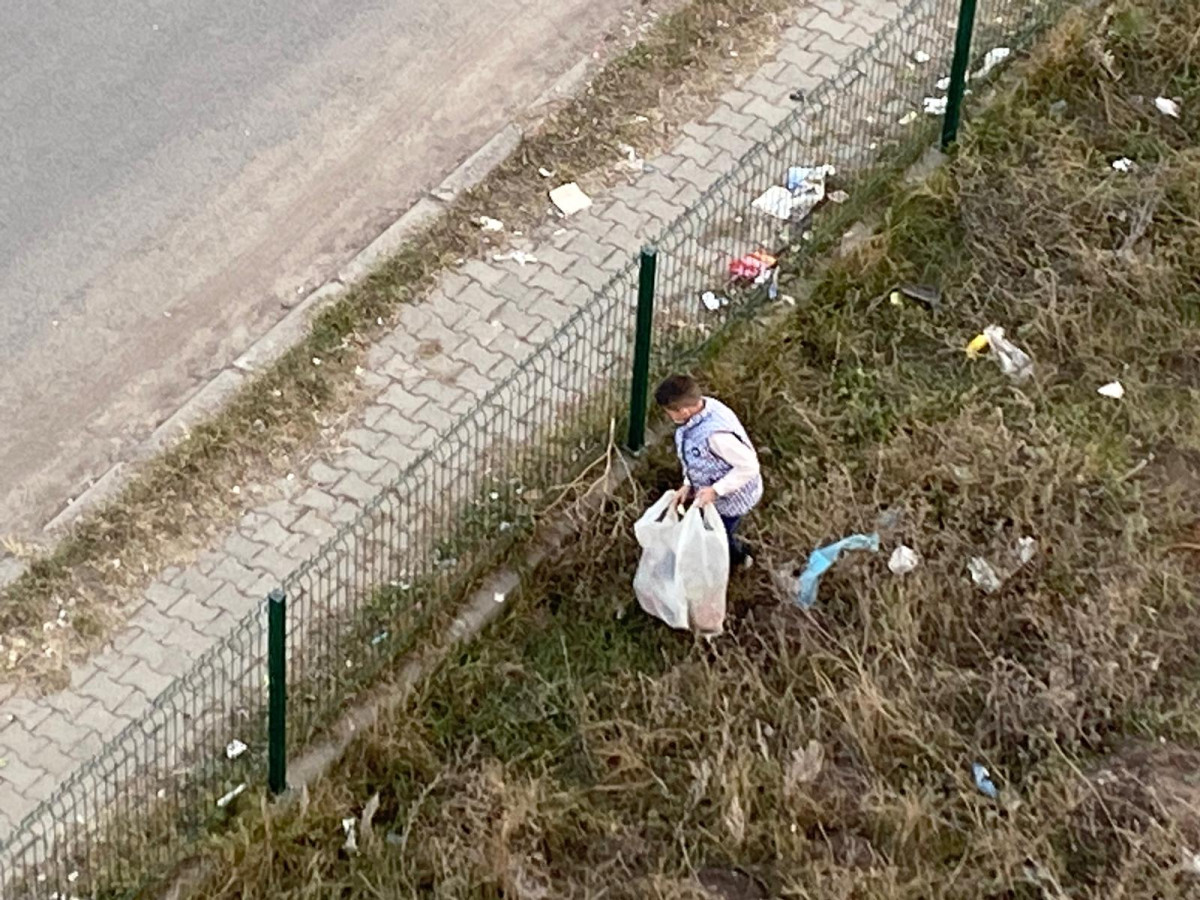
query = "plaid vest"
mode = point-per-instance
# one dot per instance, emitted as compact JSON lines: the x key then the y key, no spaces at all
{"x":703,"y":467}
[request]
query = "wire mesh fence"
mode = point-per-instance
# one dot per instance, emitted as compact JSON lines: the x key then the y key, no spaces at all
{"x":175,"y":776}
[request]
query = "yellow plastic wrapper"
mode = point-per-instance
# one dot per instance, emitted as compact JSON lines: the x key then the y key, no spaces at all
{"x":978,"y":344}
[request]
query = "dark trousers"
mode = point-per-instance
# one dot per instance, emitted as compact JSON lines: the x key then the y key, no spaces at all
{"x":737,"y":550}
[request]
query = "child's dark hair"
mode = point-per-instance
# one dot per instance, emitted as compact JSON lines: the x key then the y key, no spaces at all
{"x":676,"y":391}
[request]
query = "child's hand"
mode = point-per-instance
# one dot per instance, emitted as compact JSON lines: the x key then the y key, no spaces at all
{"x":705,"y":497}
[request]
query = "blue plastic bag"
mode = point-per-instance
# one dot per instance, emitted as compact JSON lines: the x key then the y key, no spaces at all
{"x":821,"y":559}
{"x":983,"y":781}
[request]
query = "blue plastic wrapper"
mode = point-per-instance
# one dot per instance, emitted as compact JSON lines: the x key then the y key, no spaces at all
{"x":983,"y":780}
{"x":821,"y":559}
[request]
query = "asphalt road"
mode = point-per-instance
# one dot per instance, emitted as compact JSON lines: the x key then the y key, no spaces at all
{"x":175,"y":171}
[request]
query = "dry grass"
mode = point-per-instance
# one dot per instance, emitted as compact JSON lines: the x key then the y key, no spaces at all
{"x":582,"y":750}
{"x":70,"y":599}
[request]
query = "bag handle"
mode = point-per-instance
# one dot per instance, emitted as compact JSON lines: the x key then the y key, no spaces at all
{"x":711,"y":518}
{"x":666,"y":509}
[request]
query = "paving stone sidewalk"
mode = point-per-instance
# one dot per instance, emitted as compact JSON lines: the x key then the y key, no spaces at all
{"x":482,"y":320}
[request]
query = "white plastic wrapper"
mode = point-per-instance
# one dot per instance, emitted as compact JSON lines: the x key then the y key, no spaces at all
{"x":903,"y":560}
{"x":1014,"y":362}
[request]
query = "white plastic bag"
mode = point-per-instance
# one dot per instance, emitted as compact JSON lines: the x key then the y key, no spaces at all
{"x":702,"y":568}
{"x":684,"y":569}
{"x":1014,"y":362}
{"x":658,"y":591}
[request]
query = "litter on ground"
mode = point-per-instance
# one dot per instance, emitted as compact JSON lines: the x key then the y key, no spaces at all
{"x":977,"y":345}
{"x":755,"y":267}
{"x":1014,"y":362}
{"x":632,"y":161}
{"x":226,"y":799}
{"x":903,"y":560}
{"x":520,"y":257}
{"x":1191,"y":862}
{"x":805,"y":766}
{"x":921,"y":57}
{"x":350,"y":826}
{"x":991,"y":59}
{"x":487,"y":223}
{"x":983,"y":780}
{"x":807,"y":186}
{"x":908,"y":118}
{"x":772,"y":284}
{"x":935,"y":106}
{"x":823,"y":558}
{"x":926,"y":294}
{"x":234,"y":749}
{"x":569,"y":198}
{"x":1026,"y":549}
{"x":983,"y":574}
{"x":713,"y":302}
{"x":1167,"y":106}
{"x":838,"y":197}
{"x":1124,"y":164}
{"x":1113,"y":389}
{"x":775,"y":201}
{"x":808,"y":179}
{"x":545,"y":173}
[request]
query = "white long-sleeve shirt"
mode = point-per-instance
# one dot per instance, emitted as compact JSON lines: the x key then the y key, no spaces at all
{"x":744,"y":460}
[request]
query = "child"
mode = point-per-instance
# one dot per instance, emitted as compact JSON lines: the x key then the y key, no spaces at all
{"x":718,"y":460}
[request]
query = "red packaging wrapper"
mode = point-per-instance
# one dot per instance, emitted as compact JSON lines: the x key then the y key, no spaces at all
{"x":752,"y":265}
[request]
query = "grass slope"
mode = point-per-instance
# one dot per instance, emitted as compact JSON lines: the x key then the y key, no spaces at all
{"x":582,"y":750}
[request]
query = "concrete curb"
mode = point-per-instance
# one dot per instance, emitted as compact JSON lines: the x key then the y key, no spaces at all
{"x":572,"y":82}
{"x":480,"y":164}
{"x":423,"y":213}
{"x":290,"y":330}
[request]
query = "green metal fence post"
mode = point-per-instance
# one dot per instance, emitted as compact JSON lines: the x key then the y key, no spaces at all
{"x":277,"y":691}
{"x":640,"y":390}
{"x":958,"y":73}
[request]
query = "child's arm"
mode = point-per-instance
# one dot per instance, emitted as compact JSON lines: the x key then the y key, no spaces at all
{"x":744,"y":460}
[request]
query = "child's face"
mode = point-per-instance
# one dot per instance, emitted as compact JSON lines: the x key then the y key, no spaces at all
{"x":681,"y":413}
